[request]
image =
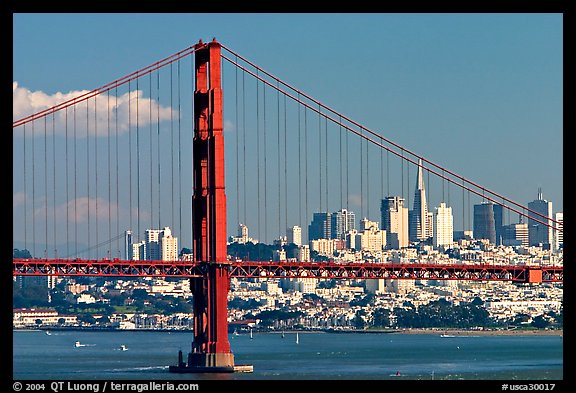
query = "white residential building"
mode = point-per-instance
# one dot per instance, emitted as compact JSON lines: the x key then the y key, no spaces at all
{"x":444,"y":228}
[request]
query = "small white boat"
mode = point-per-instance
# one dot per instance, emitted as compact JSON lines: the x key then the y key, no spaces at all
{"x":77,"y":344}
{"x":48,"y":333}
{"x":297,"y":338}
{"x":251,"y":334}
{"x":123,"y":347}
{"x":235,"y":333}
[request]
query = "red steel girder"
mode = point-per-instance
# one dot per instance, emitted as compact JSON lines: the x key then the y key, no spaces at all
{"x":260,"y":269}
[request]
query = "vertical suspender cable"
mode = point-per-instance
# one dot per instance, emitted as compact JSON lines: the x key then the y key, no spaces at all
{"x":54,"y":184}
{"x":326,"y":158}
{"x":367,"y":180}
{"x":265,"y":167}
{"x":463,"y":208}
{"x":109,"y":172}
{"x":137,"y":156}
{"x":285,"y":167}
{"x":402,"y":176}
{"x":45,"y":191}
{"x":300,"y":220}
{"x":25,"y":194}
{"x":130,"y":157}
{"x":244,"y":147}
{"x":347,"y":171}
{"x":66,"y":177}
{"x":88,"y":172}
{"x":96,"y":170}
{"x":381,"y":171}
{"x":340,"y":159}
{"x":306,"y":166}
{"x":387,"y":173}
{"x":361,"y":175}
{"x":179,"y":156}
{"x":33,"y":195}
{"x":422,"y":225}
{"x":320,"y":156}
{"x":237,"y":145}
{"x":75,"y":190}
{"x":172,"y":140}
{"x":158,"y":142}
{"x":258,"y":149}
{"x":151,"y":155}
{"x":116,"y":112}
{"x":278,"y":161}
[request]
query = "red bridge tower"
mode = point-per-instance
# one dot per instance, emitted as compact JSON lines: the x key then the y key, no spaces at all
{"x":211,"y":347}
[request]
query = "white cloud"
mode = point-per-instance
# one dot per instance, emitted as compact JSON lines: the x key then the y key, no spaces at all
{"x":103,"y":107}
{"x":228,"y":126}
{"x":77,"y":210}
{"x":356,"y":200}
{"x":18,"y":199}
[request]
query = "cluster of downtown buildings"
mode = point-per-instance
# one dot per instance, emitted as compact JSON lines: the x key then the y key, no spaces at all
{"x":332,"y":234}
{"x":403,"y":235}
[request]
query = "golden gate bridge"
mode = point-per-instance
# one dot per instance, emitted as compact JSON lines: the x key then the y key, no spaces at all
{"x":86,"y":129}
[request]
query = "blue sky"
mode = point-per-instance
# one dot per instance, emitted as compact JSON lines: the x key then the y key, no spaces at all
{"x":480,"y":94}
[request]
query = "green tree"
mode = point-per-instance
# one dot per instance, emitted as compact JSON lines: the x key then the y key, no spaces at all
{"x":540,"y":322}
{"x":381,"y":317}
{"x":104,"y":320}
{"x":86,"y":318}
{"x":21,"y":253}
{"x":139,"y":294}
{"x":359,"y":322}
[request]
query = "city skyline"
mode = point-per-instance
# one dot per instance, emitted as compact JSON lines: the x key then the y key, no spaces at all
{"x":495,"y":91}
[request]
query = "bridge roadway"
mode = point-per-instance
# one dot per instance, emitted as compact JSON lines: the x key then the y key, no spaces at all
{"x":261,"y":269}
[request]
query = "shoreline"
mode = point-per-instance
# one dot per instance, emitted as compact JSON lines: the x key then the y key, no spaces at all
{"x":462,"y":332}
{"x":432,"y":331}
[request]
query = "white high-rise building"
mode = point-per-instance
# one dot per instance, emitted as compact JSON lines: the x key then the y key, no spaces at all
{"x":138,"y":251}
{"x":243,"y":233}
{"x":371,"y":237}
{"x":395,"y":222}
{"x":168,"y":245}
{"x":538,"y":232}
{"x":294,"y":235}
{"x":444,"y":228}
{"x":559,"y":231}
{"x":158,"y":244}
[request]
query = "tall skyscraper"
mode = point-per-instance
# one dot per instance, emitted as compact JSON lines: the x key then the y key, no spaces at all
{"x":444,"y":228}
{"x":394,"y":222}
{"x":294,"y":235}
{"x":320,"y":227}
{"x":484,"y":225}
{"x":343,"y":221}
{"x":420,"y":221}
{"x":498,"y":222}
{"x":538,"y":233}
{"x":559,"y":231}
